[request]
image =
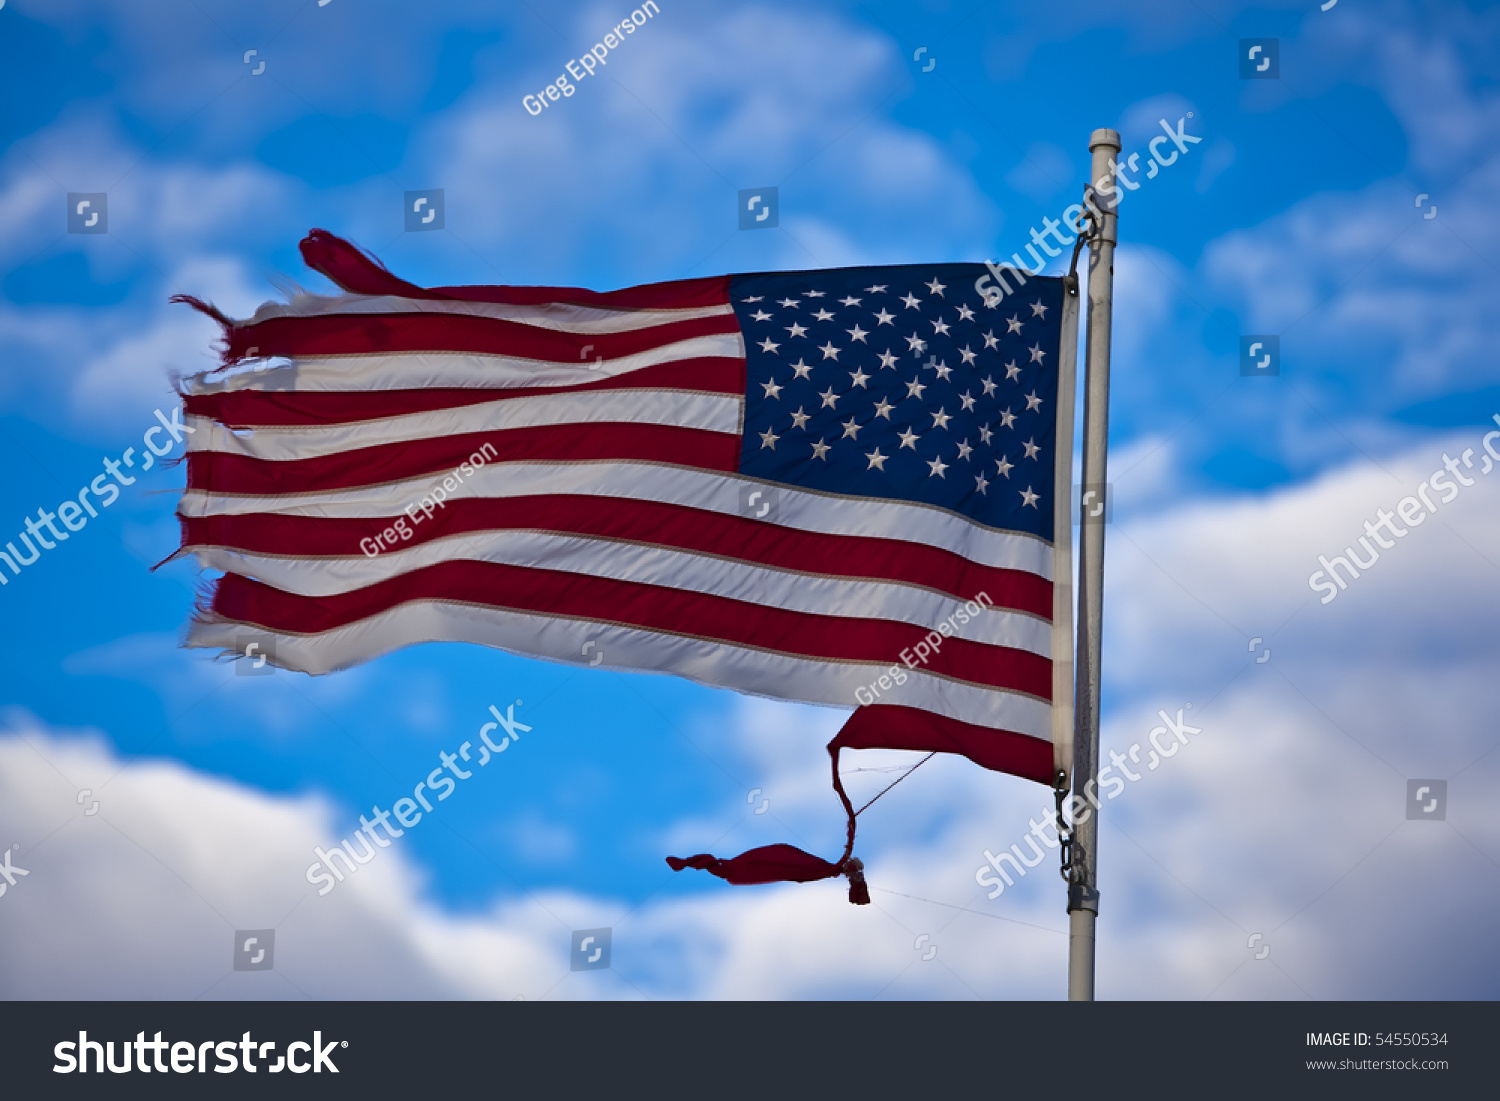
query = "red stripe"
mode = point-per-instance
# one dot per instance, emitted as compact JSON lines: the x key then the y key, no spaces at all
{"x":367,"y":334}
{"x":217,"y":472}
{"x":629,"y":603}
{"x":266,"y":408}
{"x":650,"y":523}
{"x":358,"y":273}
{"x":890,"y":726}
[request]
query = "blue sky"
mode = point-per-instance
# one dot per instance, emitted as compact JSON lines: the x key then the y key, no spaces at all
{"x":1297,"y":215}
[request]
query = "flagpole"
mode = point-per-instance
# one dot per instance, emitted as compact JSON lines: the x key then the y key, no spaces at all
{"x":1083,"y":893}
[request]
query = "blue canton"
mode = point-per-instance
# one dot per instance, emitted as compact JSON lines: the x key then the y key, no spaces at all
{"x":901,"y":383}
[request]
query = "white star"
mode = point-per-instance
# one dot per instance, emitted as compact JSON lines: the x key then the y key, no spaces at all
{"x":1037,"y":309}
{"x":1007,"y":418}
{"x":850,"y":301}
{"x":772,"y":390}
{"x":967,"y":400}
{"x":792,"y":302}
{"x":879,"y":288}
{"x":938,"y":466}
{"x":940,"y":419}
{"x":942,"y":369}
{"x":989,"y":386}
{"x":1028,"y":498}
{"x":796,"y":330}
{"x":769,"y":345}
{"x":985,"y":433}
{"x":1036,"y":353}
{"x":1003,"y":466}
{"x":830,"y":399}
{"x":1013,"y":324}
{"x":991,"y":340}
{"x":968,"y":356}
{"x":857,"y":333}
{"x":991,"y":301}
{"x":859,"y":378}
{"x":916,"y":344}
{"x":877,"y":460}
{"x":940,"y":326}
{"x":964,"y":449}
{"x":908,"y":439}
{"x":820,"y":450}
{"x":884,"y":409}
{"x":801,"y":370}
{"x":914,"y":389}
{"x":935,"y":287}
{"x":829,"y":351}
{"x":850,"y":429}
{"x":883,"y":318}
{"x":965,"y":314}
{"x":980,"y":483}
{"x":812,"y":294}
{"x":1033,"y":402}
{"x":912,"y":302}
{"x":761,"y":315}
{"x":800,"y":419}
{"x":768,"y":439}
{"x":752,"y":298}
{"x":887,"y":359}
{"x":1012,"y":371}
{"x":823,"y":315}
{"x":1032,"y":450}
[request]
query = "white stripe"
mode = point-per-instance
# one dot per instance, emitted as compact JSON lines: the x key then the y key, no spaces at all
{"x":714,"y":663}
{"x":428,"y":370}
{"x":670,"y":568}
{"x":564,"y":317}
{"x":678,"y":408}
{"x":803,"y":510}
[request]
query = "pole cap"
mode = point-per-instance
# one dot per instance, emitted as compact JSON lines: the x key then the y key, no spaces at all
{"x":1106,"y":137}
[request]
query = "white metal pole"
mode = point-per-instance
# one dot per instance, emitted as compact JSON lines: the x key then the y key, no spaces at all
{"x":1083,"y":893}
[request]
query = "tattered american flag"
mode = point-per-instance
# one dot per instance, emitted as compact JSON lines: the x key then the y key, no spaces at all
{"x":777,"y":483}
